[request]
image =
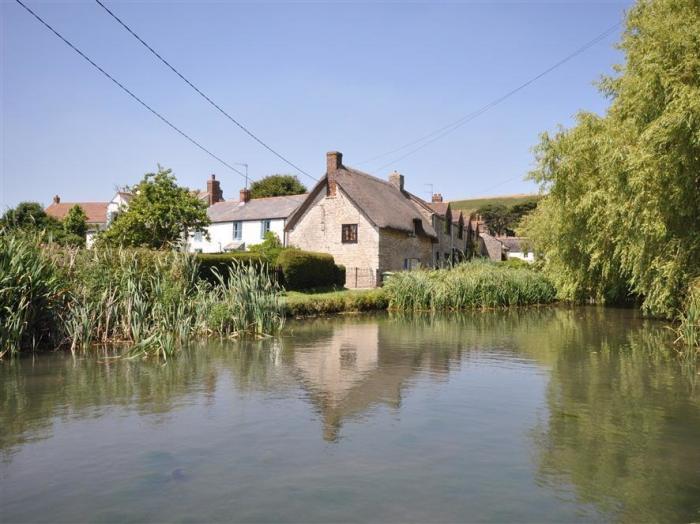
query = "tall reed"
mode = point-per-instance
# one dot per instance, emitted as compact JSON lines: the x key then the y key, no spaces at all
{"x":689,"y":328}
{"x":470,"y":285}
{"x":32,"y":296}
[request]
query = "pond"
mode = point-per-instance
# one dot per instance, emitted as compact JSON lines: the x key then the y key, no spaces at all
{"x":546,"y":414}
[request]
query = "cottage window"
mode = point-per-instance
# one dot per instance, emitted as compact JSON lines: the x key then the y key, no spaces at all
{"x":237,"y":230}
{"x":460,"y":231}
{"x":197,"y":236}
{"x":264,"y":228}
{"x":349,"y":234}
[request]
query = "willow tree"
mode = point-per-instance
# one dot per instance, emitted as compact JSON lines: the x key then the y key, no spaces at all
{"x":622,"y":213}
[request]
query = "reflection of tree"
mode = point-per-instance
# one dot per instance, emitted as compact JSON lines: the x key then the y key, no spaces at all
{"x":623,"y":423}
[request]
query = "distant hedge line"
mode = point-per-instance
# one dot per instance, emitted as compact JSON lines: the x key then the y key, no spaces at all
{"x":294,"y":268}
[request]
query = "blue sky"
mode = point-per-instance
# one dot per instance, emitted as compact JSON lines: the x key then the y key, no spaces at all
{"x":307,"y":77}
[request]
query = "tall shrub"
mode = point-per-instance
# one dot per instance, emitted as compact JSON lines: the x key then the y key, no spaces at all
{"x":307,"y":270}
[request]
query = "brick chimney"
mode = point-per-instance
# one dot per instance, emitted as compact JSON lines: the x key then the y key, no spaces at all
{"x":334,"y":161}
{"x":396,"y":180}
{"x":244,"y":196}
{"x":214,"y":193}
{"x":437,"y":197}
{"x":56,"y":199}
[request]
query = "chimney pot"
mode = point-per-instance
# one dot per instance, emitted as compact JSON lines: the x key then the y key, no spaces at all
{"x":244,"y":196}
{"x":56,"y":199}
{"x":437,"y":197}
{"x":396,"y":179}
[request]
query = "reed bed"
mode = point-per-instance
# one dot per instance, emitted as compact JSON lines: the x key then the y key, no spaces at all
{"x":152,"y":303}
{"x":689,"y":327}
{"x":466,"y":286}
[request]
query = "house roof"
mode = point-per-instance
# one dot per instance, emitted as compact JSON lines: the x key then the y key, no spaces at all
{"x":255,"y":209}
{"x":96,"y":211}
{"x":384,"y":204}
{"x":439,"y":208}
{"x":513,"y":244}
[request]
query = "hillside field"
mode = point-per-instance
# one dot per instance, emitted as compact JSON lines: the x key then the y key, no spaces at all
{"x":472,"y":204}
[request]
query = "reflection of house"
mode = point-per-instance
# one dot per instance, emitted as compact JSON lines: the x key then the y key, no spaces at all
{"x":239,"y":224}
{"x":344,"y":377}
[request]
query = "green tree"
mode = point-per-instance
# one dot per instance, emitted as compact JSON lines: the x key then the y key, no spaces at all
{"x":276,"y":185}
{"x":159,"y":214}
{"x":496,"y":217}
{"x":622,"y":210}
{"x":75,"y":222}
{"x":26,"y":215}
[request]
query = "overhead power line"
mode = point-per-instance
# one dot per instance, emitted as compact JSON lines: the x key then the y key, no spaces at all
{"x":127,"y":91}
{"x":199,"y":91}
{"x":437,"y":134}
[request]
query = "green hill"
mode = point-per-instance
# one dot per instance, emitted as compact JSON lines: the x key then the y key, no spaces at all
{"x":472,"y":204}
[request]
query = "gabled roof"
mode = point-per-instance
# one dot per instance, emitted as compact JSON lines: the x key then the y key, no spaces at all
{"x":513,"y":244}
{"x":384,"y":204}
{"x":255,"y":209}
{"x":439,"y":208}
{"x":96,"y":211}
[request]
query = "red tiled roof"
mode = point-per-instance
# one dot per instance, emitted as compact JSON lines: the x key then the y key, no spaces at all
{"x":96,"y":211}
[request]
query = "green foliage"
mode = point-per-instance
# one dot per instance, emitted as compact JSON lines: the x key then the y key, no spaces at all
{"x":306,"y":270}
{"x":276,"y":185}
{"x":689,"y":328}
{"x":470,"y":285}
{"x":75,"y":223}
{"x":502,"y":219}
{"x":213,"y":265}
{"x":622,"y":211}
{"x":32,"y":296}
{"x":309,"y":304}
{"x":159,"y":214}
{"x":269,"y":249}
{"x":27,"y":215}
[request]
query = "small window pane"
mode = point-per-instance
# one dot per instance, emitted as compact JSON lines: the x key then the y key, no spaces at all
{"x":237,"y":231}
{"x":349,"y":234}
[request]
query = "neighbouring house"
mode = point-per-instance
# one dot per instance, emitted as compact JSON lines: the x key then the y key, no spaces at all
{"x":516,"y":247}
{"x":369,"y":225}
{"x":99,"y":214}
{"x":96,"y":213}
{"x":239,"y":224}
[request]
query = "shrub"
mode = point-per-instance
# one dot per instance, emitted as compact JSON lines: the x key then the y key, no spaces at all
{"x":211,"y":264}
{"x":306,"y":270}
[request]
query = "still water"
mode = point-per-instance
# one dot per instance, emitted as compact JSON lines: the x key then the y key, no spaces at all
{"x":533,"y":415}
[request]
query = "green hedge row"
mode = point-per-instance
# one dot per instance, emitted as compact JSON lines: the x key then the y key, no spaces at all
{"x":307,"y":270}
{"x":222,"y":261}
{"x":295,"y":269}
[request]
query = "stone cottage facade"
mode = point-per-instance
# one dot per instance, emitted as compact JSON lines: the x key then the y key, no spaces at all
{"x":369,"y":225}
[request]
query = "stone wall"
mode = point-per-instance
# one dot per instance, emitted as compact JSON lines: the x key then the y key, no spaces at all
{"x":319,"y":229}
{"x":396,"y":246}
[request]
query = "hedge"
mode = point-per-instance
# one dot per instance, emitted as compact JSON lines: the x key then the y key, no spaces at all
{"x":307,"y":270}
{"x":222,"y":261}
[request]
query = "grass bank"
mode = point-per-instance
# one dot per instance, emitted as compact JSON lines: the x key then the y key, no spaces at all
{"x":299,"y":304}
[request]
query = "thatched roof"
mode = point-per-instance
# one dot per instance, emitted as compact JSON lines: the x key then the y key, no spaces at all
{"x":383,"y":203}
{"x":255,"y":209}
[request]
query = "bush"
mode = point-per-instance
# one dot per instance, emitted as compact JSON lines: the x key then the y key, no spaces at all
{"x":306,"y":270}
{"x":223,"y":261}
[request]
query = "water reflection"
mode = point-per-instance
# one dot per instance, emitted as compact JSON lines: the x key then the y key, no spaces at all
{"x":571,"y":414}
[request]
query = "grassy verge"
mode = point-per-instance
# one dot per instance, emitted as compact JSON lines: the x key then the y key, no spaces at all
{"x":327,"y":302}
